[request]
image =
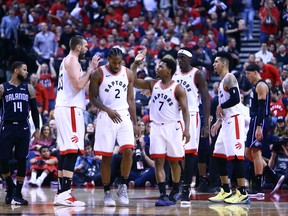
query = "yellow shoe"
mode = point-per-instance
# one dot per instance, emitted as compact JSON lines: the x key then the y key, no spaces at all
{"x":220,"y":196}
{"x":238,"y":198}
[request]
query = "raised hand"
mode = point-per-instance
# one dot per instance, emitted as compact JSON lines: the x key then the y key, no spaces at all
{"x":140,"y":56}
{"x":93,"y":64}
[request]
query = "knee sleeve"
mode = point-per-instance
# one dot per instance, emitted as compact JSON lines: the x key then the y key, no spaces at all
{"x":69,"y":162}
{"x":21,"y":167}
{"x":222,"y":166}
{"x":239,"y":168}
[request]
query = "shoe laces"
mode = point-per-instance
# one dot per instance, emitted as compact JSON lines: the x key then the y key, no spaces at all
{"x":123,"y":191}
{"x":108,"y":195}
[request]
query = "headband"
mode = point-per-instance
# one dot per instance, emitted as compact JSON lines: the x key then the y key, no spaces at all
{"x":185,"y":52}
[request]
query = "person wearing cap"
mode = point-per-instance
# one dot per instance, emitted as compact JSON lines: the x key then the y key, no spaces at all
{"x":258,"y":129}
{"x":195,"y":85}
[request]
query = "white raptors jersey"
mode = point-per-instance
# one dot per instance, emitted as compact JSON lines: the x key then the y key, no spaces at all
{"x":164,"y":107}
{"x":223,"y":96}
{"x":67,"y":95}
{"x":113,"y":88}
{"x":187,"y":81}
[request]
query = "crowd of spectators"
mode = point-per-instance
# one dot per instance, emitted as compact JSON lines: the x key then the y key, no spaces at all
{"x":38,"y":33}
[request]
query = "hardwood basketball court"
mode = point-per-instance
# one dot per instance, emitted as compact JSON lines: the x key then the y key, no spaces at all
{"x":141,"y":203}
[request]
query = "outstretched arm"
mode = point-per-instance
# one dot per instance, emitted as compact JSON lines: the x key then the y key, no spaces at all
{"x":73,"y":67}
{"x":140,"y":83}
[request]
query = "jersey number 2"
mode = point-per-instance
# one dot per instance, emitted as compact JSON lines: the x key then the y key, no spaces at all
{"x":117,"y":94}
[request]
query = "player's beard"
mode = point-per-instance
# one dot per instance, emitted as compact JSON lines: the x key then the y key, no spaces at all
{"x":81,"y":55}
{"x":21,"y":78}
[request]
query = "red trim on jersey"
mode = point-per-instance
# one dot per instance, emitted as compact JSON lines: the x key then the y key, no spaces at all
{"x":174,"y":158}
{"x":108,"y":154}
{"x":73,"y":119}
{"x":68,"y":151}
{"x":191,"y":151}
{"x":219,"y":155}
{"x":158,"y":155}
{"x":233,"y":157}
{"x":114,"y":74}
{"x":102,"y":75}
{"x":127,"y":146}
{"x":237,"y":129}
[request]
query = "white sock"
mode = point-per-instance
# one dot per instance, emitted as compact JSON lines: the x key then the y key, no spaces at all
{"x":33,"y":175}
{"x":42,"y":176}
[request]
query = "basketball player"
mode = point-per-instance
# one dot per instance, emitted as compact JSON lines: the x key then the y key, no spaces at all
{"x":70,"y":103}
{"x":195,"y":85}
{"x":17,"y":96}
{"x":230,"y":142}
{"x":167,"y":135}
{"x":258,"y":131}
{"x":111,"y":91}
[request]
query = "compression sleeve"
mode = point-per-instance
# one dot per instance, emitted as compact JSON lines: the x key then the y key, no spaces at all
{"x":34,"y":112}
{"x":233,"y":100}
{"x":261,"y":112}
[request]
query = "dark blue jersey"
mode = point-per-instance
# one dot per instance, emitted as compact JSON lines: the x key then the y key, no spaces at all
{"x":15,"y":102}
{"x":254,"y":106}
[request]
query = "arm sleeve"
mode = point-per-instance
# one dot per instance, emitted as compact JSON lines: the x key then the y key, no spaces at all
{"x":233,"y":100}
{"x":261,"y":112}
{"x":34,"y":112}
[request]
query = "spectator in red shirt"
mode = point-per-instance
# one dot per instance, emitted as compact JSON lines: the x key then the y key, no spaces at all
{"x":57,"y":12}
{"x":47,"y":78}
{"x":269,"y":20}
{"x":112,"y":19}
{"x":268,"y":71}
{"x":194,"y":21}
{"x":41,"y":94}
{"x":117,"y":5}
{"x":277,"y":106}
{"x":133,"y":7}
